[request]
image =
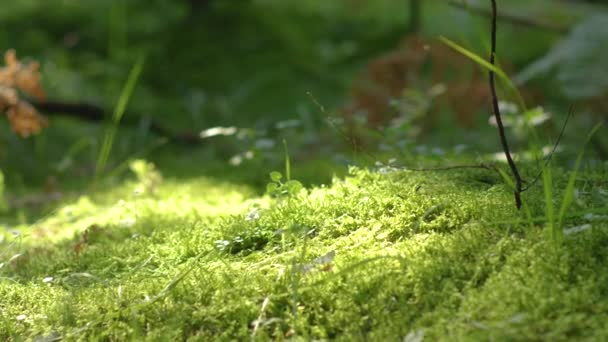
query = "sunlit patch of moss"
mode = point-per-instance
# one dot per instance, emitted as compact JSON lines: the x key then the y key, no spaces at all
{"x":375,"y":255}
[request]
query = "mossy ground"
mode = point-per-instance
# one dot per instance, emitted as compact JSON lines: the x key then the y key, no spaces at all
{"x":382,"y":255}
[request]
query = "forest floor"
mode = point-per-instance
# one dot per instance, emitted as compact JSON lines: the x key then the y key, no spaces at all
{"x":383,"y":254}
{"x":195,"y":249}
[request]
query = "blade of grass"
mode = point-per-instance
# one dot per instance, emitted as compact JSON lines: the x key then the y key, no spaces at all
{"x":483,"y":39}
{"x":482,"y":62}
{"x":119,"y":110}
{"x":506,"y":177}
{"x":3,"y":203}
{"x":569,"y":191}
{"x":287,"y":162}
{"x":554,"y":234}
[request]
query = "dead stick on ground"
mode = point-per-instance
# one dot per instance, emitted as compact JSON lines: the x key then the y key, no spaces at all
{"x":91,"y":112}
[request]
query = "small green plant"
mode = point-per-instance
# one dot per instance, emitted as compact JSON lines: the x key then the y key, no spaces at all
{"x":278,"y":188}
{"x":148,"y":177}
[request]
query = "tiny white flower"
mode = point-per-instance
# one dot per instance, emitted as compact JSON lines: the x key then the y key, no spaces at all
{"x":438,"y":151}
{"x":236,"y":160}
{"x":215,"y":131}
{"x":128,"y":222}
{"x":47,"y":280}
{"x":288,"y":124}
{"x":460,"y":147}
{"x":577,"y":229}
{"x":21,"y":317}
{"x":253,"y":215}
{"x":264,"y":144}
{"x":507,"y":107}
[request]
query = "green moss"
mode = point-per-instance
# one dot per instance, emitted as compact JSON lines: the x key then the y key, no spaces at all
{"x":372,"y":256}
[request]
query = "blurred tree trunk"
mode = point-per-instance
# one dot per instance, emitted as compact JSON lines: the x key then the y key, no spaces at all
{"x":415,"y":16}
{"x":197,"y":5}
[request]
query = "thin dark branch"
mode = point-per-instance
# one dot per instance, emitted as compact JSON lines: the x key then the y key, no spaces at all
{"x":548,"y":159}
{"x":514,"y":19}
{"x":496,"y":109}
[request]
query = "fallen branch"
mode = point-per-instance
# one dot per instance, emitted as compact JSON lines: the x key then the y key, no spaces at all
{"x":90,"y":112}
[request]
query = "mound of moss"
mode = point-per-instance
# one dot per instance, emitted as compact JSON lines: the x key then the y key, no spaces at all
{"x":380,"y":255}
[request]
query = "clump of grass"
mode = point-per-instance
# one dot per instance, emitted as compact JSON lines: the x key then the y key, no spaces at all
{"x":556,"y":225}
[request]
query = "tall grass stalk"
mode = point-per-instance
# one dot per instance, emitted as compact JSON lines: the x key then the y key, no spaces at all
{"x":569,"y":191}
{"x":555,"y":225}
{"x":3,"y":203}
{"x":119,"y":110}
{"x":555,"y":234}
{"x":287,"y":162}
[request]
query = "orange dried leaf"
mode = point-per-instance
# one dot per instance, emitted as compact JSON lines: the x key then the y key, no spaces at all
{"x":25,"y":120}
{"x":8,"y":97}
{"x":10,"y":58}
{"x":28,"y":79}
{"x":23,"y":117}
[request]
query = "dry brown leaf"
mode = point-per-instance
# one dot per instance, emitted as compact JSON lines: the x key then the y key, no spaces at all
{"x":14,"y":77}
{"x":25,"y":120}
{"x":8,"y":97}
{"x":387,"y":76}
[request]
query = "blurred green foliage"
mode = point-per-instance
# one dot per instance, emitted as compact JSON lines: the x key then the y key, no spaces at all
{"x":250,"y":64}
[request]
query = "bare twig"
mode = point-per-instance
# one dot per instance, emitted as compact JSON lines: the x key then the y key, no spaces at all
{"x":512,"y":18}
{"x":548,"y":159}
{"x":496,"y":109}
